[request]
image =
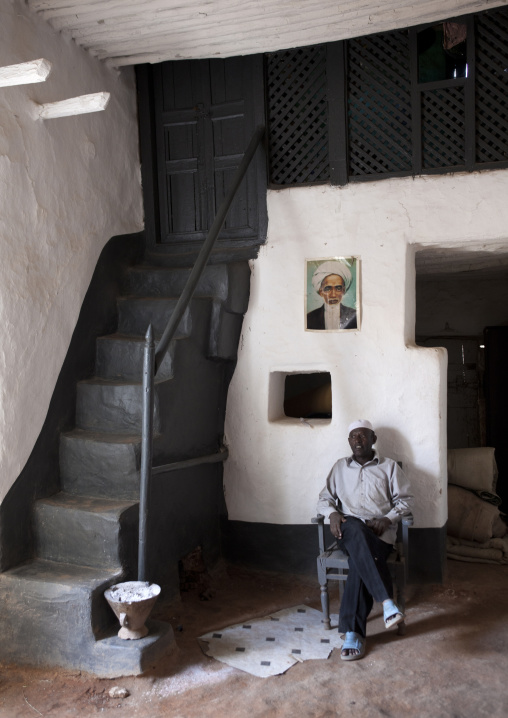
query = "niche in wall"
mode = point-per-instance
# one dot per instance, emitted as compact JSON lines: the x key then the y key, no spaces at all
{"x":306,"y":395}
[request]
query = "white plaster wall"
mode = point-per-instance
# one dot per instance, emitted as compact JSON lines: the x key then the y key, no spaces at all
{"x":66,"y":186}
{"x":452,"y":306}
{"x":276,"y":468}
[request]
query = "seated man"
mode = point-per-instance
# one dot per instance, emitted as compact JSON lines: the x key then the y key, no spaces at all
{"x":365,"y":497}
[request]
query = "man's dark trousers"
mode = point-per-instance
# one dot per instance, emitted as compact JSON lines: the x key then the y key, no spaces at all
{"x":368,"y":578}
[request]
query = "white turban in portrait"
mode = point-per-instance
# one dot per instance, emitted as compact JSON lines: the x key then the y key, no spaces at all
{"x":332,"y":266}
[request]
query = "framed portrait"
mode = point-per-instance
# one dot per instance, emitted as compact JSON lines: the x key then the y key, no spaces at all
{"x":332,"y":293}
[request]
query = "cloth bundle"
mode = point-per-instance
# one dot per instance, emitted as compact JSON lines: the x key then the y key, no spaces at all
{"x":493,"y":551}
{"x":475,"y":528}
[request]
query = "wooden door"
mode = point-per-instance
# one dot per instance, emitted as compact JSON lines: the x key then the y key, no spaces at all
{"x":205,"y":114}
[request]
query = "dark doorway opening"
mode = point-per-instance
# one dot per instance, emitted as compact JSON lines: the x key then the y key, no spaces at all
{"x":496,"y":396}
{"x":455,"y":310}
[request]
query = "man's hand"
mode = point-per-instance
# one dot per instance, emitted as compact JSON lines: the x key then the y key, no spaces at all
{"x":336,"y":521}
{"x":379,"y":526}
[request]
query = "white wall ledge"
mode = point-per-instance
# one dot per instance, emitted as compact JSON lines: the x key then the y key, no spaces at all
{"x":25,"y":73}
{"x":81,"y":105}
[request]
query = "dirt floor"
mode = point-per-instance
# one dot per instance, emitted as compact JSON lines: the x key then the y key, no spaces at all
{"x":453,"y":661}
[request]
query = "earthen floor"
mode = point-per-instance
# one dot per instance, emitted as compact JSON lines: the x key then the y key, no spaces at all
{"x":453,"y":661}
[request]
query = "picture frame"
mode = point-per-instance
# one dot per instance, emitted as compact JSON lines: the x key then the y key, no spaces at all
{"x":332,"y":294}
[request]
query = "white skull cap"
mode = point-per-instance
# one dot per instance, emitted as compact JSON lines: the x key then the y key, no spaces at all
{"x":360,"y":424}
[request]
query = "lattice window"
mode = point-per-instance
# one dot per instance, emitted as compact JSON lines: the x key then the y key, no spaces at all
{"x":492,"y":86}
{"x":443,"y":127}
{"x":379,"y":104}
{"x":298,"y":116}
{"x":372,"y":101}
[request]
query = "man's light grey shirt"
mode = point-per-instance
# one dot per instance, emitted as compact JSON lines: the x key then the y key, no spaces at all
{"x":375,"y":490}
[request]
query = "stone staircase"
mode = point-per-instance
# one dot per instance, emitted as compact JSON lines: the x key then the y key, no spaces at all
{"x":53,"y":609}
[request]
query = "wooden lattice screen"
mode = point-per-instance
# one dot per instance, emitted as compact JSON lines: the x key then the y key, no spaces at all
{"x":443,"y":128}
{"x":357,"y":109}
{"x":298,"y":116}
{"x":492,"y":86}
{"x":379,"y":104}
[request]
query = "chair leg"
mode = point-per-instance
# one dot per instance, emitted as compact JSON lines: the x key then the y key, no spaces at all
{"x":325,"y":605}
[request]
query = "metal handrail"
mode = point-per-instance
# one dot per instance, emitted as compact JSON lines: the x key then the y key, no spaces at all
{"x":153,"y":357}
{"x":221,"y":455}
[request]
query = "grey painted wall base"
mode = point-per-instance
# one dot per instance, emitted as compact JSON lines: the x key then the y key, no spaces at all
{"x":294,"y":549}
{"x":427,"y":555}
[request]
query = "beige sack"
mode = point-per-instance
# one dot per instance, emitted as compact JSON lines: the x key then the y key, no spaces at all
{"x":473,"y":468}
{"x":469,"y":517}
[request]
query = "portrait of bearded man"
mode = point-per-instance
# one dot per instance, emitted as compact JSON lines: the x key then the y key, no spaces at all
{"x":332,"y":280}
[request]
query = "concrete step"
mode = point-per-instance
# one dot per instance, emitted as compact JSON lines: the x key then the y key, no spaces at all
{"x":55,"y":614}
{"x":227,"y":283}
{"x":98,"y":464}
{"x":111,"y":658}
{"x":184,"y":254}
{"x":86,"y":531}
{"x":150,"y":281}
{"x":52,"y":610}
{"x":121,"y":357}
{"x":105,"y":405}
{"x":136,"y":313}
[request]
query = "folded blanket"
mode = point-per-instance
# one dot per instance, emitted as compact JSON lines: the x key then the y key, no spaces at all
{"x":493,"y":551}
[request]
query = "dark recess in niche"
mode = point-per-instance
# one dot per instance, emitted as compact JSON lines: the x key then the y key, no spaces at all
{"x":308,"y":395}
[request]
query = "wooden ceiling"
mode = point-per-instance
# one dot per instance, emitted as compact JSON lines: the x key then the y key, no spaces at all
{"x":129,"y":32}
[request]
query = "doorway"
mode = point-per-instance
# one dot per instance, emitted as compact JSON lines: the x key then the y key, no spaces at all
{"x":467,"y":313}
{"x":205,"y":112}
{"x":496,"y":399}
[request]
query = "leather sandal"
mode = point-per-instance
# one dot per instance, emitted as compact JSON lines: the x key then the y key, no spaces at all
{"x":353,"y":642}
{"x":392,"y":615}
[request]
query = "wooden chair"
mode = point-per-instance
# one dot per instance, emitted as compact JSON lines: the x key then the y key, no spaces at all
{"x":332,"y":565}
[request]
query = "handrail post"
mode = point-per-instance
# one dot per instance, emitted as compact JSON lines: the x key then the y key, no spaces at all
{"x":146,"y":447}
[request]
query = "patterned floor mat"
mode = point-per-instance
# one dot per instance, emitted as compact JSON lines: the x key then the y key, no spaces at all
{"x":270,"y":645}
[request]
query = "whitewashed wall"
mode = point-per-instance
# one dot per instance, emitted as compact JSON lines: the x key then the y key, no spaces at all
{"x":276,"y":468}
{"x":66,"y":186}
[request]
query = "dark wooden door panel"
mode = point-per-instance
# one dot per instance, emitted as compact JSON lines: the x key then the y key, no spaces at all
{"x":206,"y":112}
